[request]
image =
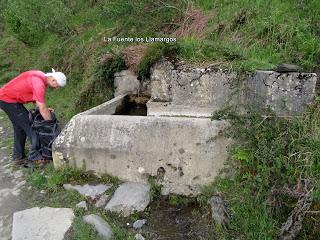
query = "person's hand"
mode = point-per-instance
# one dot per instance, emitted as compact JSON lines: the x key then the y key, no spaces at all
{"x":51,"y":109}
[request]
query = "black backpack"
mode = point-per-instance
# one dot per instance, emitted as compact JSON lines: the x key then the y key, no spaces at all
{"x":43,"y":135}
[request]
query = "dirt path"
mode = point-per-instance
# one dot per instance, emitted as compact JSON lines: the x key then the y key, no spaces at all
{"x":11,"y":181}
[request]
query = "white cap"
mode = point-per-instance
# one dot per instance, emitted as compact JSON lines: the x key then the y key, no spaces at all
{"x":59,"y":76}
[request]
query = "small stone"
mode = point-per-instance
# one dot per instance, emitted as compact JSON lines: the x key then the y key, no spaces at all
{"x":129,"y":198}
{"x":43,"y":192}
{"x":139,"y":223}
{"x":86,"y":190}
{"x":138,"y":236}
{"x":18,"y":174}
{"x":102,"y":201}
{"x":83,"y":205}
{"x":219,"y":210}
{"x":101,"y":226}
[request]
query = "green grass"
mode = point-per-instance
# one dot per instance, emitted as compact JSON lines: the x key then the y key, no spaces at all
{"x":82,"y":231}
{"x":268,"y":153}
{"x":246,"y":34}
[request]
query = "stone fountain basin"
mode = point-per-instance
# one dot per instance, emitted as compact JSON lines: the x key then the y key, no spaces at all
{"x":181,"y":153}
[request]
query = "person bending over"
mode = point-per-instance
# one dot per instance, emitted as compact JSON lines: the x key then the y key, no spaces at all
{"x":29,"y":86}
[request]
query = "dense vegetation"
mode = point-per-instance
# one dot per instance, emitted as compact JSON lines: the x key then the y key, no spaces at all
{"x":242,"y":35}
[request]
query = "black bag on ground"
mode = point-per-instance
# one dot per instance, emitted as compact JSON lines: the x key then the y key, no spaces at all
{"x":43,"y":135}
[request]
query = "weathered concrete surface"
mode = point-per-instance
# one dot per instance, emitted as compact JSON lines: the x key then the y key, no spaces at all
{"x":286,"y":93}
{"x":107,"y":108}
{"x":181,"y":90}
{"x":129,"y":198}
{"x":102,"y":227}
{"x":126,"y":82}
{"x":161,"y":81}
{"x":161,"y":109}
{"x":45,"y":223}
{"x":183,"y":153}
{"x":207,"y":88}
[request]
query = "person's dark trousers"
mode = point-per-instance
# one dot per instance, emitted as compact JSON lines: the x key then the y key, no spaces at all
{"x":19,"y":117}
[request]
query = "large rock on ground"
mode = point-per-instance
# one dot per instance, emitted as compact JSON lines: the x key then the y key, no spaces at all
{"x":45,"y":223}
{"x":102,"y":227}
{"x":129,"y":198}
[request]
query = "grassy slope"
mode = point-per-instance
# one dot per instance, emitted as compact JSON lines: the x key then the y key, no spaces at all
{"x":242,"y":35}
{"x":260,"y":34}
{"x":252,"y":34}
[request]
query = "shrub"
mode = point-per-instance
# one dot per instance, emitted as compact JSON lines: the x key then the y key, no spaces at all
{"x":100,"y":86}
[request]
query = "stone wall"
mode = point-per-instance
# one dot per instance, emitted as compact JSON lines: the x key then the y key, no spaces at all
{"x":189,"y":90}
{"x":286,"y":93}
{"x":193,"y":91}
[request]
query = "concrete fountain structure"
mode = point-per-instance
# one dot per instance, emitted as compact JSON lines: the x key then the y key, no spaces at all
{"x":176,"y":142}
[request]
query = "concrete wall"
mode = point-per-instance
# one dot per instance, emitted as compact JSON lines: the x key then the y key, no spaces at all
{"x":126,"y":82}
{"x":188,"y":89}
{"x":286,"y":93}
{"x":182,"y":90}
{"x":107,"y":108}
{"x":182,"y":153}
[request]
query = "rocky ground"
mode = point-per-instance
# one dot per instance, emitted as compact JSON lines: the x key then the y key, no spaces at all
{"x":11,"y":183}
